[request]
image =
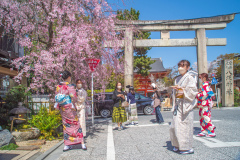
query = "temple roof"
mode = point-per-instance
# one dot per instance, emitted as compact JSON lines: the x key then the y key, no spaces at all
{"x":157,"y":66}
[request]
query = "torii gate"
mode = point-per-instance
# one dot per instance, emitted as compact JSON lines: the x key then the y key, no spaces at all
{"x":165,"y":26}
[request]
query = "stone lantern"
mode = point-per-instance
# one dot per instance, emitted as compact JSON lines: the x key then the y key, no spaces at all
{"x":19,"y":113}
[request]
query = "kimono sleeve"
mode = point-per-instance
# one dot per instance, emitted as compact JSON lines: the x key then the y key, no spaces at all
{"x":173,"y":96}
{"x":206,"y":93}
{"x":190,"y":90}
{"x":72,"y":93}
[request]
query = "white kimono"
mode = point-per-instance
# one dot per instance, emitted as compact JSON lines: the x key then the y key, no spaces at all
{"x":181,"y":129}
{"x":80,"y":105}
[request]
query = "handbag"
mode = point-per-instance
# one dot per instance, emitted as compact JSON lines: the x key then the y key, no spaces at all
{"x":159,"y":97}
{"x":125,"y":104}
{"x":176,"y":107}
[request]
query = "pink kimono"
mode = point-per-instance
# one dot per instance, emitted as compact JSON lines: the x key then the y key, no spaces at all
{"x":72,"y":132}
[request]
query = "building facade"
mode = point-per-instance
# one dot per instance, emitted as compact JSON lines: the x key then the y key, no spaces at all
{"x":9,"y":51}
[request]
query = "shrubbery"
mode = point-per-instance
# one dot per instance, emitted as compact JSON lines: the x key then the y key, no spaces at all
{"x":47,"y":122}
{"x":236,"y":98}
{"x":11,"y":146}
{"x":16,"y":94}
{"x":89,"y":92}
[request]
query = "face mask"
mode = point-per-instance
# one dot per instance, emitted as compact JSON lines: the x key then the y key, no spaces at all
{"x":119,"y":87}
{"x":181,"y":70}
{"x":79,"y":85}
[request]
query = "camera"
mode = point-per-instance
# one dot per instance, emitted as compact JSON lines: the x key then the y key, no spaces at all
{"x":130,"y":87}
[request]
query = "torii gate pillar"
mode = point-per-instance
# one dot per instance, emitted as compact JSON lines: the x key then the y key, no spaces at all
{"x":201,"y":51}
{"x":128,"y":65}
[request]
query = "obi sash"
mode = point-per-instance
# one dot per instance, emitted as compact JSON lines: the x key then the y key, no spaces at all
{"x":63,"y":99}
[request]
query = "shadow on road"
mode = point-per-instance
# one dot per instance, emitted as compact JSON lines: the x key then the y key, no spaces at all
{"x":196,"y":130}
{"x":124,"y":128}
{"x":153,"y":120}
{"x":92,"y":131}
{"x":169,"y":145}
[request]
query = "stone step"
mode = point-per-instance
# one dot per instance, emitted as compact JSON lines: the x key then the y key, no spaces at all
{"x":28,"y":148}
{"x":36,"y":142}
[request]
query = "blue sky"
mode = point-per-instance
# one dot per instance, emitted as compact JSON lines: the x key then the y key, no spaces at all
{"x":187,"y":9}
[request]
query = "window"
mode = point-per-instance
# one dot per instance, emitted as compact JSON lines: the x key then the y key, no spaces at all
{"x":4,"y":85}
{"x":142,"y":97}
{"x":108,"y":97}
{"x":136,"y":96}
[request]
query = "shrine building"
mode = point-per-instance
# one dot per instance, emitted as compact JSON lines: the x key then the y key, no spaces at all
{"x":158,"y":71}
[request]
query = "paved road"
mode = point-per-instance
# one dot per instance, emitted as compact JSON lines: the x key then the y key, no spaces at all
{"x":151,"y":141}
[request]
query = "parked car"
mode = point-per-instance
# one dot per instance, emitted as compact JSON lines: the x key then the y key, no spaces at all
{"x":103,"y":104}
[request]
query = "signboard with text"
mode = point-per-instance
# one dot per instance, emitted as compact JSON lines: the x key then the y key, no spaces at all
{"x":92,"y":63}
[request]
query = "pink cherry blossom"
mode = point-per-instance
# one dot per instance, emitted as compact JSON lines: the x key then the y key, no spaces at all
{"x":59,"y":35}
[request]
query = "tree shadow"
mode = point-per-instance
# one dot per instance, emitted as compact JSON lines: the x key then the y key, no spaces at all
{"x":93,"y":131}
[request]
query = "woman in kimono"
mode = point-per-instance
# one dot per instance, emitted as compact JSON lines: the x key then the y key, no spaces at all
{"x":80,"y":105}
{"x":157,"y":104}
{"x":133,"y":106}
{"x":184,"y":93}
{"x":205,"y":104}
{"x":119,"y":114}
{"x":65,"y":97}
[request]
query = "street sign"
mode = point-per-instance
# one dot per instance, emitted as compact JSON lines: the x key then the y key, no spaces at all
{"x":214,"y":81}
{"x":92,"y":63}
{"x":213,"y":74}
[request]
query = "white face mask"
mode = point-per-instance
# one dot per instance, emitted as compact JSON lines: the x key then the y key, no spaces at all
{"x":119,"y":87}
{"x":182,"y":70}
{"x":79,"y":85}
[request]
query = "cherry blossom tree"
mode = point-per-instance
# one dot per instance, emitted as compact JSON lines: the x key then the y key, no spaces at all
{"x":60,"y":35}
{"x":211,"y":66}
{"x":160,"y":84}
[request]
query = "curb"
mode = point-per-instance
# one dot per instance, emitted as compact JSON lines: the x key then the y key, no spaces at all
{"x":45,"y":154}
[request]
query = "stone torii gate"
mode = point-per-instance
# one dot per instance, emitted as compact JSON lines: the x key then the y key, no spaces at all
{"x":199,"y":25}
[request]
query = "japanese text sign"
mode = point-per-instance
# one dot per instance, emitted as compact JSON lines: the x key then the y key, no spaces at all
{"x":92,"y":63}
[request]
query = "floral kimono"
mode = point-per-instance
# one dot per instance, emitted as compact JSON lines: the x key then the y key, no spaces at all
{"x":72,"y":132}
{"x":205,"y":105}
{"x":181,"y":129}
{"x":80,"y":105}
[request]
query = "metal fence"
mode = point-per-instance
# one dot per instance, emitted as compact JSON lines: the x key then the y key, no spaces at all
{"x":35,"y":106}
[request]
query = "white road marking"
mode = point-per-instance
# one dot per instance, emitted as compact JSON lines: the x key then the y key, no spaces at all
{"x":164,"y":124}
{"x":227,"y":108}
{"x":110,"y":143}
{"x":212,"y":121}
{"x":214,"y":143}
{"x":148,"y":125}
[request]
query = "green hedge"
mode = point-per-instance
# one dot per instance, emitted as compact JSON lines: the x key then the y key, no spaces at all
{"x":236,"y":98}
{"x":98,"y":91}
